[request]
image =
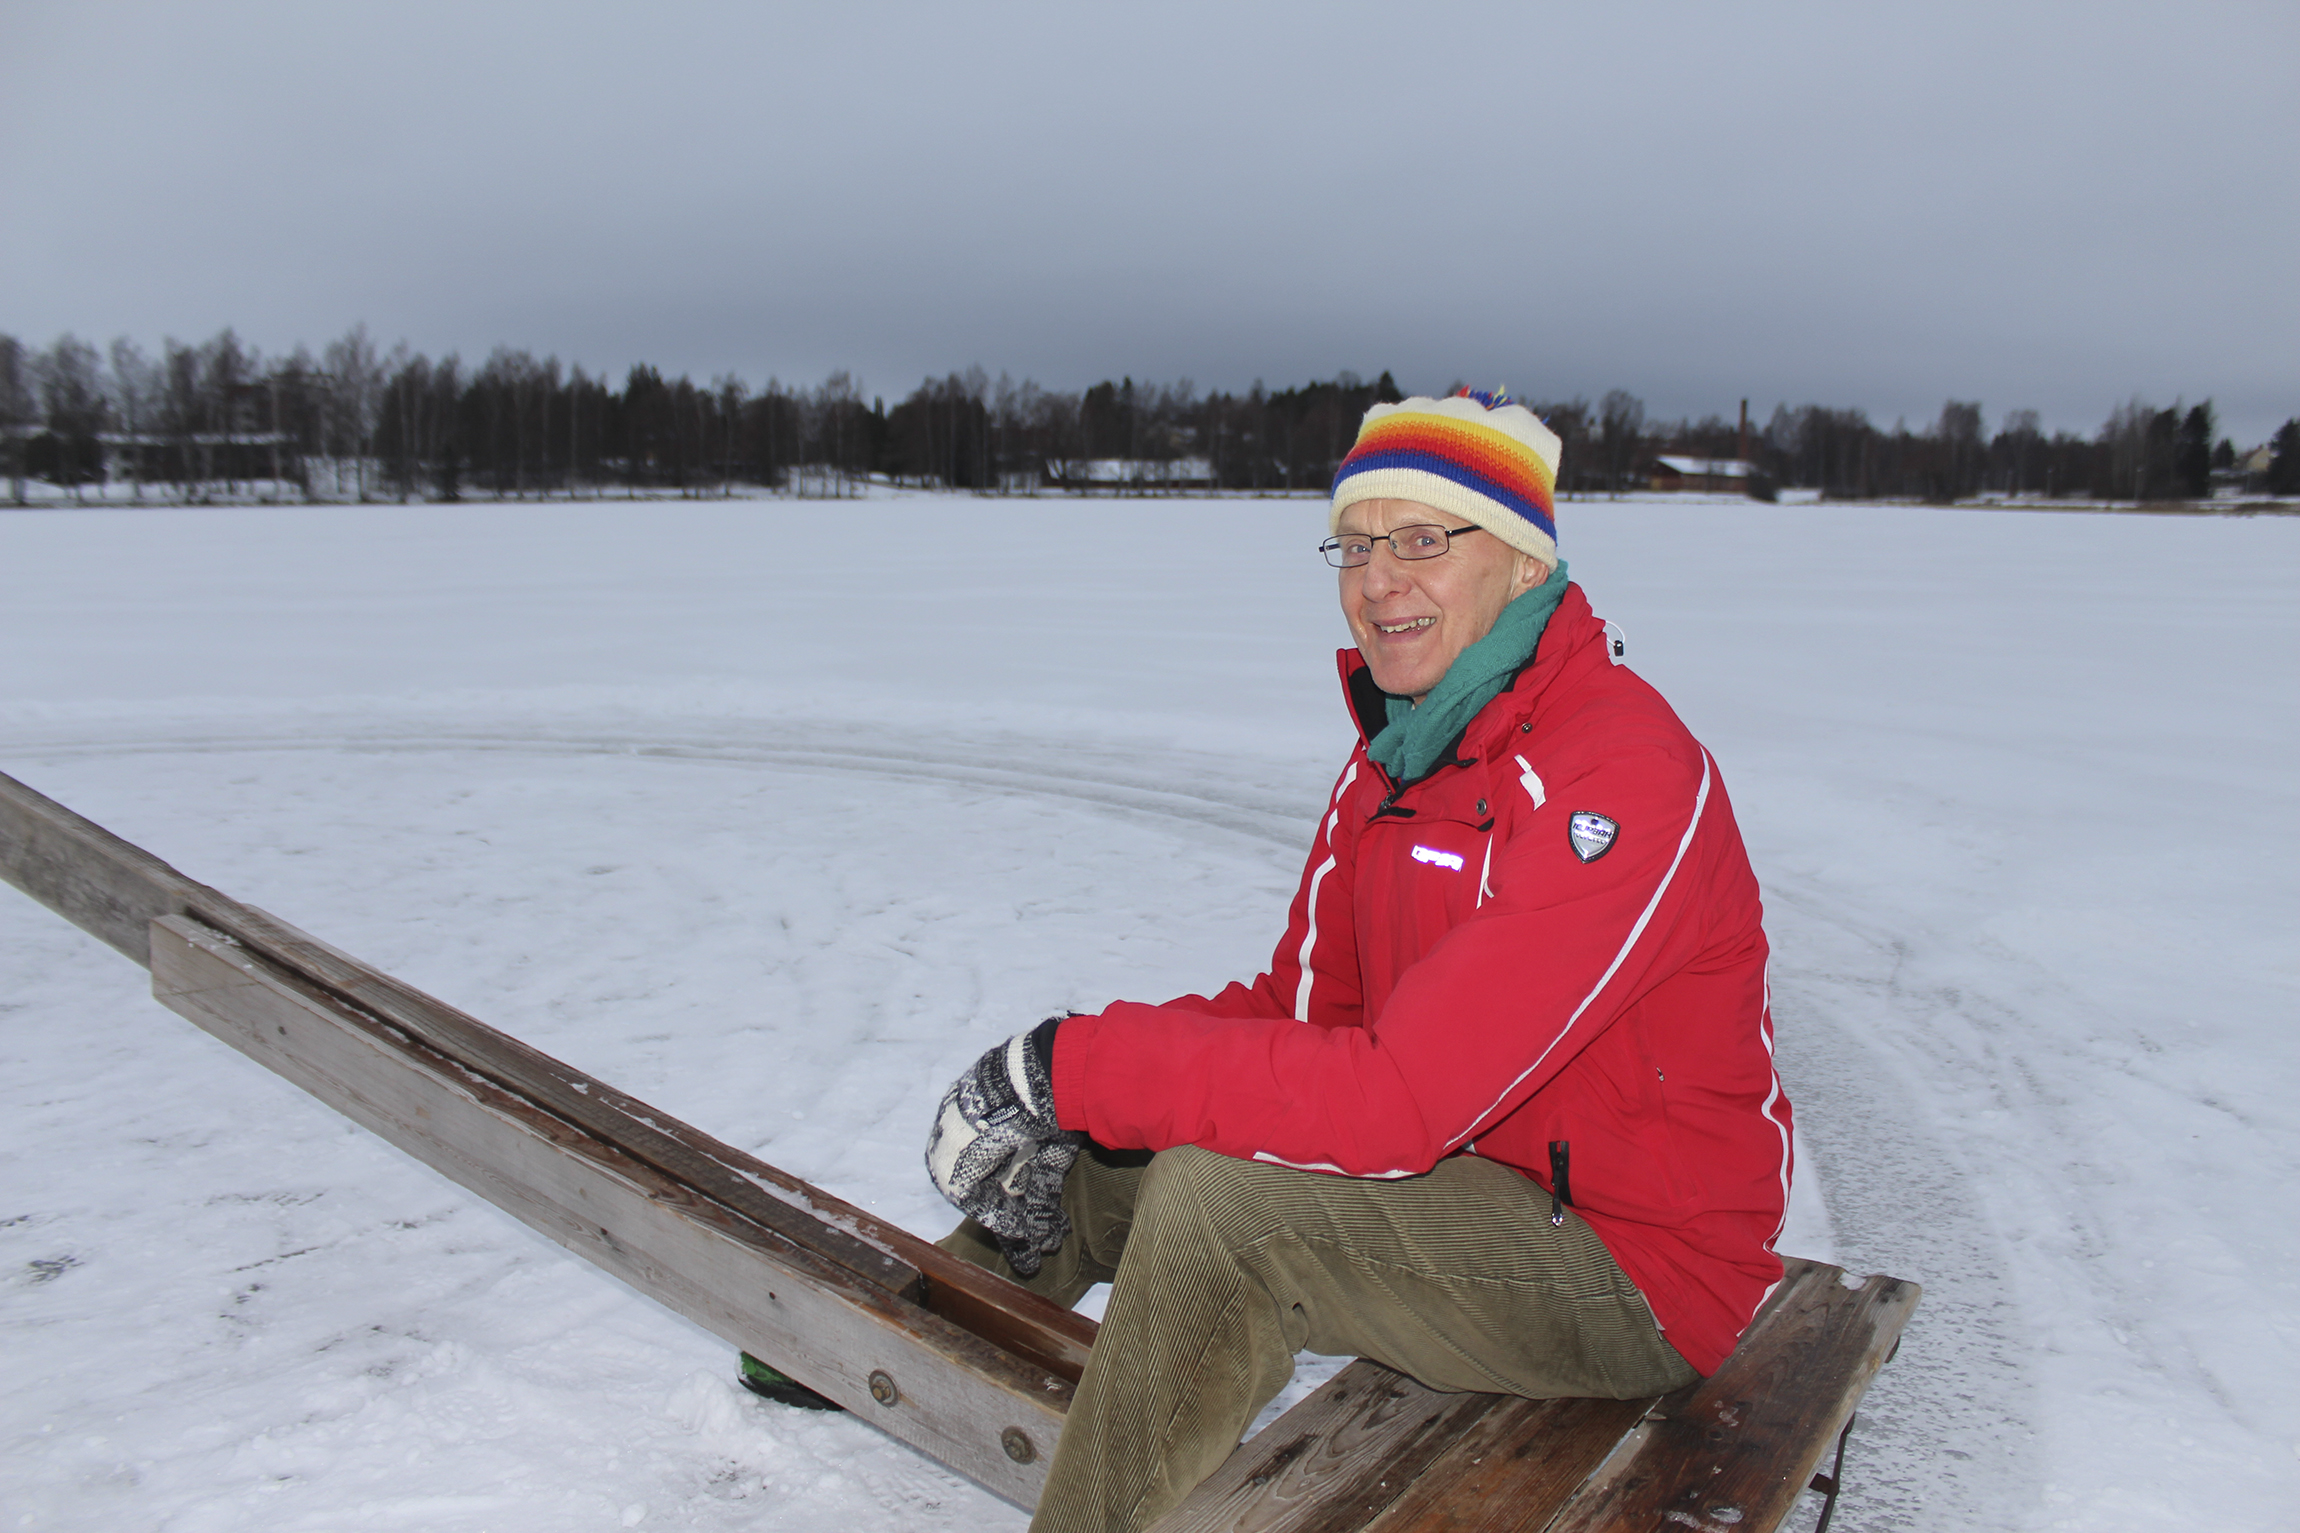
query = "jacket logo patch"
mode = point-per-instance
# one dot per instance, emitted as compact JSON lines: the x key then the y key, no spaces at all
{"x":1591,"y":834}
{"x":1442,"y":859}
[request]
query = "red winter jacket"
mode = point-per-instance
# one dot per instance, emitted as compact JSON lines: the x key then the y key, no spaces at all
{"x":1485,"y":971}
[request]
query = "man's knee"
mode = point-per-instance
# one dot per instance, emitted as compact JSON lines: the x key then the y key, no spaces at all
{"x":1189,"y":1175}
{"x":1232,"y":1202}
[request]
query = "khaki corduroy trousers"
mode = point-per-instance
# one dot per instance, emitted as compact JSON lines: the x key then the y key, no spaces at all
{"x":1223,"y":1269}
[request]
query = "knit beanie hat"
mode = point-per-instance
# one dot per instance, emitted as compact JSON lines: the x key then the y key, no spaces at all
{"x":1476,"y":456}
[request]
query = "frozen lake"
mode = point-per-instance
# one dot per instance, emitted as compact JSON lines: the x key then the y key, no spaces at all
{"x":775,"y":814}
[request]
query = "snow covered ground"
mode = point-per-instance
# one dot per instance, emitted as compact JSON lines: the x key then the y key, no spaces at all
{"x":775,"y":814}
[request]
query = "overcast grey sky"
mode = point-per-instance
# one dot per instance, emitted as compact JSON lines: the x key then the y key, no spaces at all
{"x":1881,"y":205}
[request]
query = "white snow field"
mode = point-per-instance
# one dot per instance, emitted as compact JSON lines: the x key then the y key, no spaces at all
{"x":775,"y":814}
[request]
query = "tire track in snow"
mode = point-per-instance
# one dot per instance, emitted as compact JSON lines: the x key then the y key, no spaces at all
{"x":1946,"y":1436}
{"x":1126,"y":780}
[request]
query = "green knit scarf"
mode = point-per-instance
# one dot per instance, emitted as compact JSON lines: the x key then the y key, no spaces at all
{"x":1413,"y":739}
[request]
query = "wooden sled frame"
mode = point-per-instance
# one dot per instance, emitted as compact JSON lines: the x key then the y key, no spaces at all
{"x":970,"y":1369}
{"x":1374,"y":1451}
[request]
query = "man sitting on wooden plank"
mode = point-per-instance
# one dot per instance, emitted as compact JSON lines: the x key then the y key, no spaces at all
{"x":1501,"y":1115}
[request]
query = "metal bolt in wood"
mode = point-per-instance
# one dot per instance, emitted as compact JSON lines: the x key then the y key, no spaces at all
{"x":1018,"y":1445}
{"x":882,"y":1387}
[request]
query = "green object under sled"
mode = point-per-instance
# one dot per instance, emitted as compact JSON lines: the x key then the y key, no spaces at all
{"x":778,"y":1386}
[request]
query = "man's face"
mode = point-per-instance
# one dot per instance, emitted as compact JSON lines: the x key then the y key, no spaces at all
{"x":1411,"y":617}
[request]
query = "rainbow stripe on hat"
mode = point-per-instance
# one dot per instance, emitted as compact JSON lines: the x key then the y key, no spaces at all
{"x":1482,"y":458}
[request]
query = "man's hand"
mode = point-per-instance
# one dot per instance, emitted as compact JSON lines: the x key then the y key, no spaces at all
{"x":997,"y":1152}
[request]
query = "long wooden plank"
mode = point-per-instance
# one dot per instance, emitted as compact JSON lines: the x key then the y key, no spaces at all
{"x":93,"y":879}
{"x":1512,"y":1468}
{"x":1332,"y":1461}
{"x":970,"y":1404}
{"x":1732,"y":1453}
{"x":854,"y":1238}
{"x":114,"y":890}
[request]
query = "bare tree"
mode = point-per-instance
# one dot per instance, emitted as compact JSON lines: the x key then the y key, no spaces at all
{"x":70,"y":379}
{"x":2016,"y":449}
{"x":224,"y":370}
{"x":2140,"y":442}
{"x":1959,"y":433}
{"x":135,"y":387}
{"x":542,"y":387}
{"x":356,"y":397}
{"x":298,"y":395}
{"x":835,"y":405}
{"x":1013,"y":406}
{"x":180,"y":412}
{"x":577,"y":386}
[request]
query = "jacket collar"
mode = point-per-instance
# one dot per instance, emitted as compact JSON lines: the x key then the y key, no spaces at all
{"x":1562,"y":642}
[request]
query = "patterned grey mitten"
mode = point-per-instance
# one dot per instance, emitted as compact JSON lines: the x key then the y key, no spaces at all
{"x":1032,"y":1223}
{"x":997,"y":1152}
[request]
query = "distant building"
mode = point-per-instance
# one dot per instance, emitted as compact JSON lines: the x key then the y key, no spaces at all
{"x":2254,"y":465}
{"x":2248,"y":474}
{"x":1729,"y":476}
{"x":1130,"y":476}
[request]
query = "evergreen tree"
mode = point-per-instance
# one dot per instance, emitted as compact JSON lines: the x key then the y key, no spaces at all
{"x":2192,"y":457}
{"x":15,"y":410}
{"x":2284,"y":467}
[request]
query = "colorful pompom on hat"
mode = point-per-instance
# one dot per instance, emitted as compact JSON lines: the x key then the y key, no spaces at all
{"x":1476,"y":456}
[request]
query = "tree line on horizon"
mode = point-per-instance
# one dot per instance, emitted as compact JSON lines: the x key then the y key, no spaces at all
{"x":356,"y":422}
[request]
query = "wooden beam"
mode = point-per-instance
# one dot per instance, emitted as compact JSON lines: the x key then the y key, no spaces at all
{"x":101,"y":884}
{"x":1734,"y":1451}
{"x":1521,"y":1456}
{"x":1374,"y":1452}
{"x":979,"y":1370}
{"x":969,"y":1403}
{"x":114,"y":890}
{"x":1332,"y":1461}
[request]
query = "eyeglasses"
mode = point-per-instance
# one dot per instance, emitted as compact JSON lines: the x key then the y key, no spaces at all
{"x":1352,"y":549}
